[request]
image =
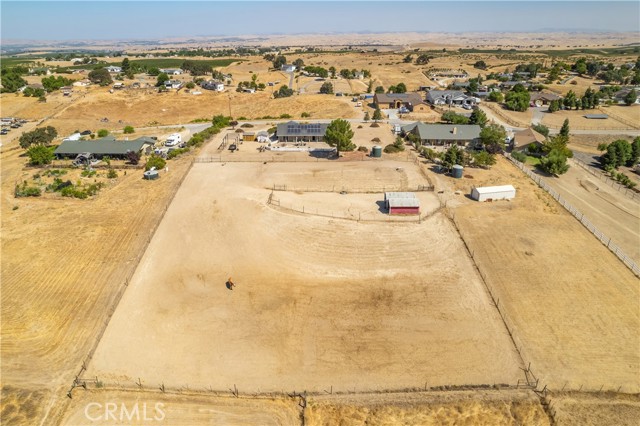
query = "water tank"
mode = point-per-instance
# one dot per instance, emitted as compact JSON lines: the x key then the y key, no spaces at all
{"x":151,"y":175}
{"x":376,"y":152}
{"x":457,"y":171}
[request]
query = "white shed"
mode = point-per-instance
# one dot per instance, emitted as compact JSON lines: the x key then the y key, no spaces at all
{"x":503,"y":192}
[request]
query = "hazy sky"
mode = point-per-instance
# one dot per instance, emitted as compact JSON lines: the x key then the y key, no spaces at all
{"x":68,"y":20}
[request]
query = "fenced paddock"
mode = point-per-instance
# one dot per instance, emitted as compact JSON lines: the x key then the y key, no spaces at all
{"x":354,"y":306}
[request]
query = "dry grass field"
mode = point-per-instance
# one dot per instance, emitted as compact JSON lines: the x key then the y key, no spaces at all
{"x":343,"y":304}
{"x":574,"y":307}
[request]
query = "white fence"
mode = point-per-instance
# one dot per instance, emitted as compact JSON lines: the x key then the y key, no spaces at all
{"x":603,"y":177}
{"x":604,"y":239}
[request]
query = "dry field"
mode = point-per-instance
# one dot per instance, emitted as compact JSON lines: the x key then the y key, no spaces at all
{"x":319,"y":302}
{"x":578,"y":121}
{"x":596,"y":409}
{"x":574,"y":307}
{"x":63,"y":262}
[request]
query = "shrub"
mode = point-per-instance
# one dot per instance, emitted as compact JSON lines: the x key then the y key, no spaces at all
{"x":247,"y":125}
{"x":26,"y":191}
{"x":190,"y":85}
{"x":374,"y":125}
{"x":40,"y":155}
{"x":112,"y":174}
{"x":363,"y":149}
{"x":88,"y":173}
{"x":391,"y":149}
{"x":155,"y":161}
{"x":102,"y":133}
{"x":305,"y":115}
{"x":133,"y":157}
{"x":272,"y":129}
{"x":285,"y":116}
{"x":242,"y":118}
{"x":129,"y":130}
{"x":520,"y":156}
{"x":177,"y":152}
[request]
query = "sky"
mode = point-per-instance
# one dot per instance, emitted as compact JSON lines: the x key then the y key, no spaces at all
{"x":109,"y":20}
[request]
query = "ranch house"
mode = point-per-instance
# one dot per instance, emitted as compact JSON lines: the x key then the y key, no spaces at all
{"x":298,"y":132}
{"x":444,"y":134}
{"x":450,"y":97}
{"x":107,"y":146}
{"x":397,"y":100}
{"x":171,"y":71}
{"x":113,"y":69}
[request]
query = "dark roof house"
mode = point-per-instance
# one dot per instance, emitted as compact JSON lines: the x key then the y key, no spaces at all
{"x":525,"y":138}
{"x":397,"y":100}
{"x":294,"y":131}
{"x":101,"y":147}
{"x":444,"y":134}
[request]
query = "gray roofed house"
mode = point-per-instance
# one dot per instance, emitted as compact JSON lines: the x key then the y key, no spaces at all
{"x":294,"y":131}
{"x":397,"y":100}
{"x":444,"y":134}
{"x":101,"y":147}
{"x":543,"y":98}
{"x":453,"y":97}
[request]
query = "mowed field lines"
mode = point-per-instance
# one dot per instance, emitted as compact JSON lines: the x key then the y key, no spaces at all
{"x":319,"y":302}
{"x":63,"y":263}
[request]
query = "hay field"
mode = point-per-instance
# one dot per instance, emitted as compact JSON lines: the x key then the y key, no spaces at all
{"x":574,"y":306}
{"x":578,"y":121}
{"x":319,"y":302}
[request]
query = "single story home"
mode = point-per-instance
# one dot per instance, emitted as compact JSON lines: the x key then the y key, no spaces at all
{"x":107,"y":146}
{"x":359,"y":75}
{"x":293,"y":131}
{"x":288,"y":68}
{"x":524,"y":139}
{"x":118,"y":85}
{"x":171,"y":71}
{"x":397,"y":100}
{"x":173,"y":84}
{"x":543,"y":98}
{"x":620,"y":95}
{"x":450,"y":97}
{"x":82,"y":83}
{"x":113,"y":69}
{"x":217,"y":86}
{"x":444,"y":134}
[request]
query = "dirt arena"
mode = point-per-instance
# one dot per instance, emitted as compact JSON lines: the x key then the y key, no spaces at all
{"x":319,"y":302}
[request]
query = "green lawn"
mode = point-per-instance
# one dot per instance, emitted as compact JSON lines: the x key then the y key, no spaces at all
{"x":10,"y":62}
{"x":532,"y":161}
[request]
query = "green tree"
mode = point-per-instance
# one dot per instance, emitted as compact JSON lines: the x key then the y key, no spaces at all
{"x":155,"y":161}
{"x":40,"y":155}
{"x":190,"y":85}
{"x":554,"y":106}
{"x":517,"y":100}
{"x":492,"y":138}
{"x":570,"y":100}
{"x":635,"y":151}
{"x":279,"y":61}
{"x":220,"y":121}
{"x":496,"y":96}
{"x":379,"y":89}
{"x":332,"y":71}
{"x":452,"y":156}
{"x":557,"y":143}
{"x":618,"y":153}
{"x":128,"y":130}
{"x":102,"y":133}
{"x":478,"y":117}
{"x":39,"y":136}
{"x":52,"y":83}
{"x":299,"y":63}
{"x":480,"y":65}
{"x":283,"y":92}
{"x":407,"y":59}
{"x":377,"y":115}
{"x":631,"y":97}
{"x":326,"y":88}
{"x":11,"y":80}
{"x":125,"y":65}
{"x":367,"y":117}
{"x":339,"y":135}
{"x":483,"y":159}
{"x":154,"y":71}
{"x":452,"y":117}
{"x":564,"y":130}
{"x":162,"y":77}
{"x":398,"y":88}
{"x":555,"y":163}
{"x":423,"y":59}
{"x":542,"y":129}
{"x":100,"y":76}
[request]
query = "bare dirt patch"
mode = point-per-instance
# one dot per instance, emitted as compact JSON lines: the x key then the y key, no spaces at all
{"x":318,"y":302}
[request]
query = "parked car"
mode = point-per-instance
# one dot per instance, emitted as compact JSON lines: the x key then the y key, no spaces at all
{"x":233,"y":147}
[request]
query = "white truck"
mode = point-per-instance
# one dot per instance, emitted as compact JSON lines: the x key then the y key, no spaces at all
{"x":173,"y":140}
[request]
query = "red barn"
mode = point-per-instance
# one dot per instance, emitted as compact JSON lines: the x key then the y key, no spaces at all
{"x":404,"y":206}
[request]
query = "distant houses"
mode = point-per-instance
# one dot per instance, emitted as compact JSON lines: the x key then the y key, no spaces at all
{"x":173,"y":84}
{"x":288,"y":68}
{"x":444,"y":134}
{"x":113,"y":69}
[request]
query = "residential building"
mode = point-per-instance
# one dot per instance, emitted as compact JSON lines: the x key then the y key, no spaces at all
{"x":82,"y":83}
{"x":294,"y":131}
{"x":543,"y":98}
{"x":288,"y":68}
{"x":113,"y":69}
{"x":173,"y":84}
{"x":217,"y":86}
{"x":450,"y":97}
{"x":171,"y":71}
{"x":525,"y":139}
{"x":397,"y":100}
{"x":103,"y":147}
{"x":444,"y":134}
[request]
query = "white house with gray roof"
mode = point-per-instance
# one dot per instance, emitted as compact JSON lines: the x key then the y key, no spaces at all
{"x":450,"y":97}
{"x":444,"y":134}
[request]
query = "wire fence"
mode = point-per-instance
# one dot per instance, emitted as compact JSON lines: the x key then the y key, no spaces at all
{"x":605,"y":178}
{"x":351,"y":189}
{"x":604,"y":239}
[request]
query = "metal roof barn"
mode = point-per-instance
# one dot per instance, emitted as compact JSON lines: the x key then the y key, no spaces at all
{"x":503,"y":192}
{"x":403,"y":206}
